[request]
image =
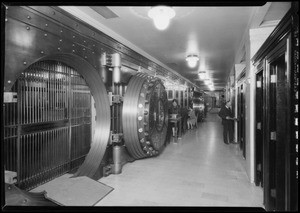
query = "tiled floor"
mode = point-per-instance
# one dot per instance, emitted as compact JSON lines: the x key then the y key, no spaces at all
{"x":200,"y":170}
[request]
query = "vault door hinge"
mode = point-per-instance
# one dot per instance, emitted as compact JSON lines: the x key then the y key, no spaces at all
{"x":10,"y":97}
{"x":258,"y":84}
{"x":273,"y":78}
{"x":259,"y":167}
{"x":258,"y":125}
{"x":273,"y":136}
{"x":273,"y":193}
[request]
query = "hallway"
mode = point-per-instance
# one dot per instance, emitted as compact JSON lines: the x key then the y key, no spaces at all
{"x":199,"y":170}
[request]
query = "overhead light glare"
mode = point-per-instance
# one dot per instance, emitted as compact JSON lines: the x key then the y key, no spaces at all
{"x":192,"y":60}
{"x":161,"y":16}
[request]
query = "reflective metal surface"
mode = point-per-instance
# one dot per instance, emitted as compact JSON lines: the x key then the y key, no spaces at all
{"x":40,"y":33}
{"x":145,"y":116}
{"x":37,"y":31}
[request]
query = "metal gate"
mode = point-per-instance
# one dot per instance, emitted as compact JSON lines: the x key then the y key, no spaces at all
{"x":48,"y":127}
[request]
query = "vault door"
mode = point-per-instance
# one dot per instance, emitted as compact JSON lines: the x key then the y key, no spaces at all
{"x":276,"y":136}
{"x":272,"y":137}
{"x":49,"y":127}
{"x":241,"y":122}
{"x":259,"y":129}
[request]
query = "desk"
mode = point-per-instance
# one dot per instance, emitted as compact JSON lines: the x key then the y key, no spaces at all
{"x":176,"y":121}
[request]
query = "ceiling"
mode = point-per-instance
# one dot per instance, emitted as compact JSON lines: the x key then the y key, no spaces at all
{"x":213,"y":33}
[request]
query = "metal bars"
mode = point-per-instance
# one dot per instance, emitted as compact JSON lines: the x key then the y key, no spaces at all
{"x":44,"y":93}
{"x":81,"y":120}
{"x":48,"y":130}
{"x":43,"y":156}
{"x":10,"y":133}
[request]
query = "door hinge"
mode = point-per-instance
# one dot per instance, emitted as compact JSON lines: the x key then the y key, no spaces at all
{"x":273,"y":78}
{"x":258,"y":125}
{"x":273,"y":136}
{"x":258,"y":84}
{"x":259,"y":167}
{"x":10,"y":97}
{"x":273,"y":193}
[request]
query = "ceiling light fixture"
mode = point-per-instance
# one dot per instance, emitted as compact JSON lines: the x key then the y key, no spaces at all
{"x":161,"y":16}
{"x":211,"y":86}
{"x":202,"y":75}
{"x":192,"y":60}
{"x":207,"y":81}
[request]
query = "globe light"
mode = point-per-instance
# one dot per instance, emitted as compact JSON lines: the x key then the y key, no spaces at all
{"x":192,"y":60}
{"x":211,"y":87}
{"x":161,"y":16}
{"x":202,"y":75}
{"x":207,"y":81}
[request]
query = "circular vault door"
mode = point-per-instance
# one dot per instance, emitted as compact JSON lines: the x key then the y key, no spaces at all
{"x":145,"y":116}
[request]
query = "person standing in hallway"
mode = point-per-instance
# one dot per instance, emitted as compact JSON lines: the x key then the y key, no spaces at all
{"x":205,"y":109}
{"x":175,"y":109}
{"x":227,"y":122}
{"x":222,"y":101}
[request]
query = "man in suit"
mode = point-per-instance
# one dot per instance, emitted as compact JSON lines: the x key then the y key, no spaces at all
{"x":227,"y":121}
